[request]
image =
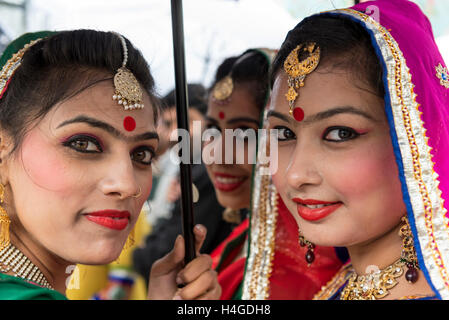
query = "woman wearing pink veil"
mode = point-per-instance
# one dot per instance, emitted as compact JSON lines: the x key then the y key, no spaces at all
{"x":78,"y":116}
{"x":359,"y":101}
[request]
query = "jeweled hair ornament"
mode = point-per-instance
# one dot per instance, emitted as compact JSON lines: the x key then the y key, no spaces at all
{"x":223,"y":90}
{"x":128,"y":92}
{"x":297,"y":71}
{"x":11,"y":66}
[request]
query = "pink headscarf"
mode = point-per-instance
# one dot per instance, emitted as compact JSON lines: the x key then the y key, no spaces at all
{"x":417,"y":106}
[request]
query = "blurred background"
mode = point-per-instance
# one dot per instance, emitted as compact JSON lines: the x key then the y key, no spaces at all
{"x":214,"y":29}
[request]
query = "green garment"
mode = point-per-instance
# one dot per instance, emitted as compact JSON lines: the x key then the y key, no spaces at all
{"x":12,"y":288}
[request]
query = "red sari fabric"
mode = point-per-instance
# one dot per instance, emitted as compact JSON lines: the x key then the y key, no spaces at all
{"x":291,"y":278}
{"x":230,"y":272}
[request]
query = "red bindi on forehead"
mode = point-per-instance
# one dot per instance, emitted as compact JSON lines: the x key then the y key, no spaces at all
{"x":298,"y":114}
{"x":221,"y":115}
{"x":129,"y":123}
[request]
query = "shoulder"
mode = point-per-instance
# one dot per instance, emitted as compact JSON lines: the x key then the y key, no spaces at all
{"x":12,"y":288}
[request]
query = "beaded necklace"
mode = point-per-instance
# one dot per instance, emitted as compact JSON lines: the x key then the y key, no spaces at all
{"x":12,"y":259}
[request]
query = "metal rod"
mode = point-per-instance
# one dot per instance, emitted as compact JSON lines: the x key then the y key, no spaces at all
{"x":183,"y":123}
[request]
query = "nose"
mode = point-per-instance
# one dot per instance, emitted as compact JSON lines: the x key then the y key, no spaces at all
{"x":302,"y":170}
{"x":119,"y":178}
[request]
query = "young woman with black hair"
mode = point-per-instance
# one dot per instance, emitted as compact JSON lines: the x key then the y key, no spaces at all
{"x":77,"y":136}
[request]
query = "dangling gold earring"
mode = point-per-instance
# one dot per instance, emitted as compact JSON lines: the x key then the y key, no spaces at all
{"x":310,"y":255}
{"x":4,"y":221}
{"x":408,"y":255}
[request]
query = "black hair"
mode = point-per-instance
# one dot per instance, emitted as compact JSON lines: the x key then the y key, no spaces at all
{"x":344,"y":44}
{"x":197,"y":98}
{"x":250,"y":69}
{"x":60,"y":66}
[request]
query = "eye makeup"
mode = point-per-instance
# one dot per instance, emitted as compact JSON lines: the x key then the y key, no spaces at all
{"x":144,"y":150}
{"x":69,"y":142}
{"x":350,"y":134}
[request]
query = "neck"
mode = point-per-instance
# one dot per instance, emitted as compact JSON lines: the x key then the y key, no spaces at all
{"x":53,"y":268}
{"x":380,"y":252}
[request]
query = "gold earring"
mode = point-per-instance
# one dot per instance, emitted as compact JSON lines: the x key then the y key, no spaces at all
{"x":408,"y":255}
{"x":4,"y":221}
{"x":310,"y":255}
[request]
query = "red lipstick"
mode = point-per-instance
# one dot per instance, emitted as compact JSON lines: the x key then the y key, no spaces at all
{"x":315,"y":214}
{"x":227,"y":182}
{"x":112,"y":219}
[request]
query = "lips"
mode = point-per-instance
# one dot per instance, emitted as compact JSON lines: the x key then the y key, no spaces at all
{"x":314,"y":210}
{"x":112,"y":219}
{"x":227,"y":182}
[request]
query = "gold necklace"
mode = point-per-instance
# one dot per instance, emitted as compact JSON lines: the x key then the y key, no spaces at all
{"x":374,"y":285}
{"x":12,"y":259}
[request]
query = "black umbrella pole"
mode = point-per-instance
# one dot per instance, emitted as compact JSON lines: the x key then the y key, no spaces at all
{"x":183,"y":123}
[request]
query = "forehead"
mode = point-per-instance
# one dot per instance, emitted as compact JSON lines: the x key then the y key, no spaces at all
{"x":97,"y":102}
{"x":241,"y":103}
{"x":323,"y":89}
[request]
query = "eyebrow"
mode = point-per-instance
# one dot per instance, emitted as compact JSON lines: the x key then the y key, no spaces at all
{"x":110,"y":129}
{"x":323,"y":115}
{"x":235,"y":120}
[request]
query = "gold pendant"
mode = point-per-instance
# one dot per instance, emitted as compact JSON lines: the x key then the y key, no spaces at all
{"x":232,"y":216}
{"x":127,"y":90}
{"x":223,"y":89}
{"x":298,"y":70}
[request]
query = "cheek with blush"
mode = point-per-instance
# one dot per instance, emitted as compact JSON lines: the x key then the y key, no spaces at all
{"x":368,"y":179}
{"x":44,"y":164}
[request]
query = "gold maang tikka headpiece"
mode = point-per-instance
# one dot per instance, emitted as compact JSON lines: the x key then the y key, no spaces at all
{"x":298,"y":70}
{"x":128,"y":92}
{"x":223,"y":90}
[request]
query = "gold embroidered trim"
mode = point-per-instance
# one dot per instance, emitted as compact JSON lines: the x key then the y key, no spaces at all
{"x":12,"y":64}
{"x":263,"y":226}
{"x":332,"y":287}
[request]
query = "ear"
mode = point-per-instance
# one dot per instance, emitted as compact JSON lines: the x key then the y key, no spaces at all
{"x":6,"y":146}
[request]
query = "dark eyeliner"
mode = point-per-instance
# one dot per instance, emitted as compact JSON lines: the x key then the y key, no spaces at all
{"x":285,"y":128}
{"x":354,"y":133}
{"x":68,"y":142}
{"x":145,"y":148}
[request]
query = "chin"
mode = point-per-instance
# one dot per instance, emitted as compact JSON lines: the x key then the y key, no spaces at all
{"x":101,"y":255}
{"x":231,"y":203}
{"x":326,"y":236}
{"x":102,"y":259}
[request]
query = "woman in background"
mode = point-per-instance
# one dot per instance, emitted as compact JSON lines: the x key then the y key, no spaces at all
{"x":236,"y":102}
